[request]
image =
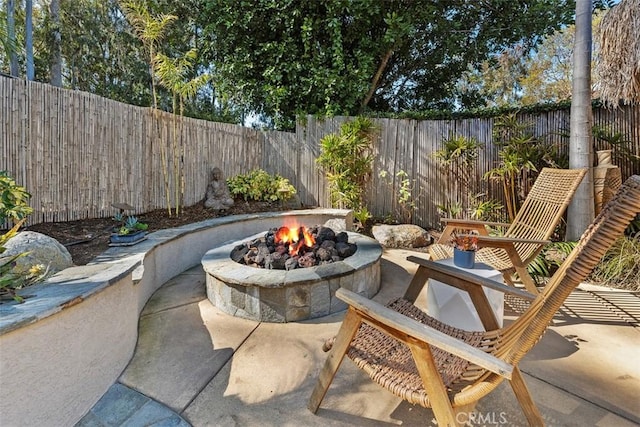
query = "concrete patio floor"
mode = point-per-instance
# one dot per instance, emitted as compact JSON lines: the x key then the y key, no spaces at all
{"x":212,"y":369}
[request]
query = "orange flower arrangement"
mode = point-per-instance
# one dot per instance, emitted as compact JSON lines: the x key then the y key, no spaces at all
{"x":465,"y":242}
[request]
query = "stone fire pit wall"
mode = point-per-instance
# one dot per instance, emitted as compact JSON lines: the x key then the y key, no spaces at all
{"x":287,"y":296}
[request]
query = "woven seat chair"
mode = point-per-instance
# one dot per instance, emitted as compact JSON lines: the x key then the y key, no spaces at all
{"x":435,"y":365}
{"x":529,"y":232}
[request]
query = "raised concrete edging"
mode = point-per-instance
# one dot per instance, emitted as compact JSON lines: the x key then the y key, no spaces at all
{"x":72,"y":338}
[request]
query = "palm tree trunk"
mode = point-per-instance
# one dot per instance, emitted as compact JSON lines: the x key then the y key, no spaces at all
{"x":581,"y":210}
{"x":11,"y":36}
{"x":56,"y":49}
{"x":29,"y":39}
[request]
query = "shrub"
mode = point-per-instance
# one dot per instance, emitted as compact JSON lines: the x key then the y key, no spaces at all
{"x":13,"y":199}
{"x":619,"y":268}
{"x":347,"y":159}
{"x":260,"y":186}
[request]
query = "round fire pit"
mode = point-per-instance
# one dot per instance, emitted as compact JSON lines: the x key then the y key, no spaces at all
{"x":289,"y":295}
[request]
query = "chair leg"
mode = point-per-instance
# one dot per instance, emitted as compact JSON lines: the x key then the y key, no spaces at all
{"x":349,"y":327}
{"x":466,"y":410}
{"x":508,"y":279}
{"x":527,"y":280}
{"x":432,"y":381}
{"x":524,"y":398}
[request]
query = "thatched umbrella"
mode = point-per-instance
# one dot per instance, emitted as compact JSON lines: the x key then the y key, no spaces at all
{"x":619,"y":65}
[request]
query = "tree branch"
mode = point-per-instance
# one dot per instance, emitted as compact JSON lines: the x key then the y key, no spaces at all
{"x":376,"y":79}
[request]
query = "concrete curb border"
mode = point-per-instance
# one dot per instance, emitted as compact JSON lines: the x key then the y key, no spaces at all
{"x":71,"y":339}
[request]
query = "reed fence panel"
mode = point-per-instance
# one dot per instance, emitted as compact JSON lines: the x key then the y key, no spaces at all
{"x":78,"y":153}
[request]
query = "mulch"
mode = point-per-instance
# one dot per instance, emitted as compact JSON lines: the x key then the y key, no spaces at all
{"x":87,"y":238}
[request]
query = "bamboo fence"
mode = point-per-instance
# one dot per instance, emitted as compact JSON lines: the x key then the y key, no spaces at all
{"x":78,"y":153}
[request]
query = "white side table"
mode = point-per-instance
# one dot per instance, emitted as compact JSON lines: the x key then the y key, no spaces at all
{"x":454,"y":307}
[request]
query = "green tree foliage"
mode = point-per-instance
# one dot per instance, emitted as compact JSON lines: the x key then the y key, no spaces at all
{"x":101,"y":56}
{"x":285,"y":57}
{"x":517,"y":76}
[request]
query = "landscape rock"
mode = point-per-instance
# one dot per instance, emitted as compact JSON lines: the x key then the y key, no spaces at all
{"x":42,"y":249}
{"x":401,"y":236}
{"x":336,"y":224}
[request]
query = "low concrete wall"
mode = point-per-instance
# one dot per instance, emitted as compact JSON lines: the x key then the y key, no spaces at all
{"x":73,"y":336}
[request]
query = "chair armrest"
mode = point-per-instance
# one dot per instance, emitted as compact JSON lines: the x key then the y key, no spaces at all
{"x":461,"y":223}
{"x":456,"y":274}
{"x":501,"y":241}
{"x":396,"y":321}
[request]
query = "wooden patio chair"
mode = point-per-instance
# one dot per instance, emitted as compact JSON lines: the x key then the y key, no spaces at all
{"x":529,"y":232}
{"x":447,"y":369}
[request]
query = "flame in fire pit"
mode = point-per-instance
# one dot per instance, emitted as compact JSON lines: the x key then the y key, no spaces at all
{"x":297,"y":237}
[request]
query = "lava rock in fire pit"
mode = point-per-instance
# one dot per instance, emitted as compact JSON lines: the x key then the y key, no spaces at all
{"x":324,"y":233}
{"x":307,"y":260}
{"x":287,"y":249}
{"x":238,"y":253}
{"x":275,"y":261}
{"x":345,"y":249}
{"x":342,"y":237}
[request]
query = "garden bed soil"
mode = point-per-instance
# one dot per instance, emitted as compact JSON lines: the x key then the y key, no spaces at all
{"x":87,"y":238}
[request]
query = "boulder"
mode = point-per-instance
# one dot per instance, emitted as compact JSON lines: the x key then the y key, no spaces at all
{"x":401,"y":236}
{"x":336,"y":224}
{"x":42,"y":249}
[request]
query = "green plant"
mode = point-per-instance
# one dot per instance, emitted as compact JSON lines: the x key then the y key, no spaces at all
{"x":129,"y":224}
{"x":10,"y":279}
{"x":347,"y":160}
{"x":13,"y":199}
{"x":151,"y":29}
{"x":485,"y":210}
{"x":520,"y":153}
{"x":549,"y":259}
{"x":617,"y":141}
{"x":457,"y":158}
{"x":362,"y":216}
{"x":619,"y":267}
{"x":450,"y":210}
{"x":173,"y":74}
{"x":405,"y":193}
{"x":260,"y":186}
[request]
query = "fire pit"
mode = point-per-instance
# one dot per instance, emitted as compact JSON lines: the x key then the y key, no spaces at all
{"x":294,"y":246}
{"x":296,"y":293}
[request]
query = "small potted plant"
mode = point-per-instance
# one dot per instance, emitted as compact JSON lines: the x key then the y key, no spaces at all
{"x":130,"y":231}
{"x":464,"y":249}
